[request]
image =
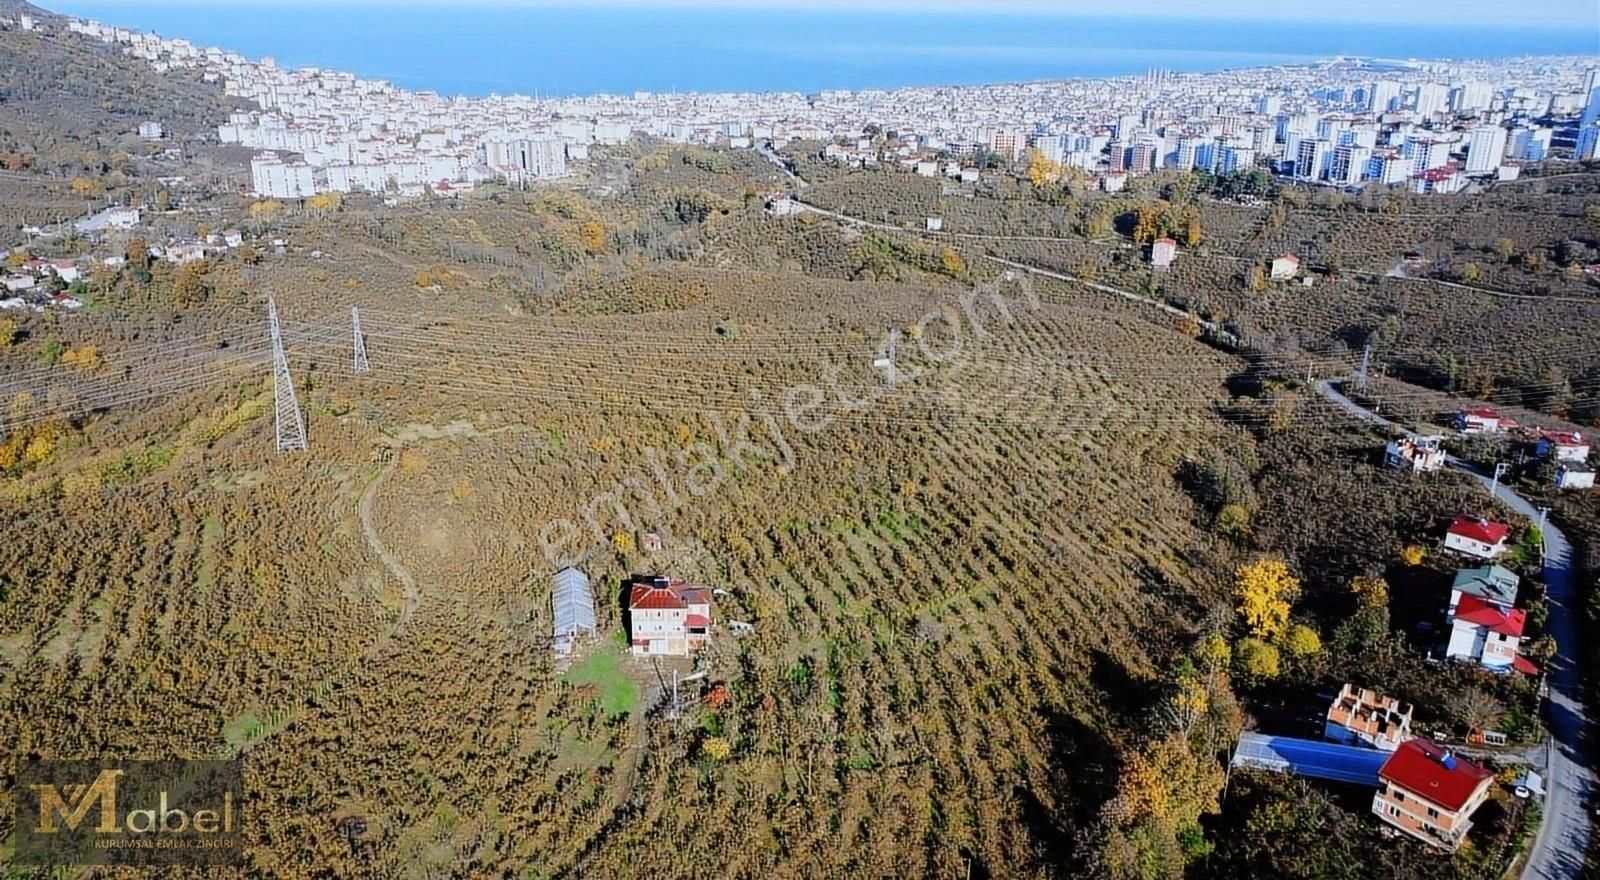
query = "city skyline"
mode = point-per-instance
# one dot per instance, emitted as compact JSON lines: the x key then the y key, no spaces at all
{"x":1488,"y":13}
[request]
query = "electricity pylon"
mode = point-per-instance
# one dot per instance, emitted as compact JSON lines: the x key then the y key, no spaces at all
{"x":360,"y":365}
{"x":290,"y":426}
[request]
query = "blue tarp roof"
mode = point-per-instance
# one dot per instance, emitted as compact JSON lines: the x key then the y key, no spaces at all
{"x":1308,"y":757}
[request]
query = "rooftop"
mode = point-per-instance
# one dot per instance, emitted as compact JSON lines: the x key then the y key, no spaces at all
{"x":1434,"y":773}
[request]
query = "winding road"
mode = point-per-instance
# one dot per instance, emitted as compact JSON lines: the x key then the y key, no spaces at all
{"x":1563,"y":838}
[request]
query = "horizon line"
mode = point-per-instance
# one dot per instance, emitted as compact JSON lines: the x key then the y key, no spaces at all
{"x":1357,"y":11}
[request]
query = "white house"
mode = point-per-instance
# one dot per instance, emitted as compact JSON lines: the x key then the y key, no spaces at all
{"x":928,"y":169}
{"x":935,"y":224}
{"x":1416,"y":455}
{"x":1573,"y":476}
{"x":1482,"y":420}
{"x":150,"y":131}
{"x":1163,"y":252}
{"x":14,"y":283}
{"x":1564,"y":445}
{"x":1475,"y":536}
{"x":1285,"y":267}
{"x":667,"y":616}
{"x":66,"y":270}
{"x":1487,"y":634}
{"x":781,"y":205}
{"x":186,"y":253}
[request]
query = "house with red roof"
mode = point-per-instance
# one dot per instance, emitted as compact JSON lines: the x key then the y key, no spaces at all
{"x":1482,"y":420}
{"x":1285,"y":267}
{"x":1487,"y":634}
{"x":1429,"y":793}
{"x":1563,"y":445}
{"x":667,"y":616}
{"x":1476,"y":536}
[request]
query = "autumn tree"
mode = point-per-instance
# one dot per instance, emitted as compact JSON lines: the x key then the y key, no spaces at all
{"x":952,"y":262}
{"x":593,"y":233}
{"x":84,"y":357}
{"x":265,"y":210}
{"x":323,"y":203}
{"x":1255,"y":660}
{"x":1370,"y":590}
{"x":190,"y":287}
{"x":1302,"y":642}
{"x":1042,"y":170}
{"x":1264,"y":590}
{"x":9,"y":332}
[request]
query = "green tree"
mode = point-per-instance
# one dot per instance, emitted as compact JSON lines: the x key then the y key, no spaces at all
{"x":1255,"y":660}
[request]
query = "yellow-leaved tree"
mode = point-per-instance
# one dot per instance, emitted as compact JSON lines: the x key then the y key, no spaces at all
{"x":1264,"y":590}
{"x":1041,"y":169}
{"x":952,"y":262}
{"x":1370,"y":590}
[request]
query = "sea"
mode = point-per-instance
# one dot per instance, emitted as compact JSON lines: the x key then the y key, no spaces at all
{"x":471,"y":49}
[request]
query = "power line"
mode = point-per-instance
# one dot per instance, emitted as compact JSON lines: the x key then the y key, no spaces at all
{"x":289,"y":424}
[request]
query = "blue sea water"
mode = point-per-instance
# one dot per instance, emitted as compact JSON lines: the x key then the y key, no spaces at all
{"x":555,"y":50}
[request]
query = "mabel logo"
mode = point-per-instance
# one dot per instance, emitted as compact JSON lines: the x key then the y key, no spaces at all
{"x":128,"y":813}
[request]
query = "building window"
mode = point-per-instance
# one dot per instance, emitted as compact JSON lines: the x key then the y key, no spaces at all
{"x":1432,"y":813}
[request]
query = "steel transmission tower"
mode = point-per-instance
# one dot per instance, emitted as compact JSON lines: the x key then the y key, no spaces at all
{"x":360,"y":365}
{"x":290,"y":426}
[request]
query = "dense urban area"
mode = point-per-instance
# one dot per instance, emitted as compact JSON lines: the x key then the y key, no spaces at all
{"x":1184,"y":475}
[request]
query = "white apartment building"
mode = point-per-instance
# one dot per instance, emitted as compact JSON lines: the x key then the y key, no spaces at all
{"x":1486,"y":147}
{"x":272,"y":177}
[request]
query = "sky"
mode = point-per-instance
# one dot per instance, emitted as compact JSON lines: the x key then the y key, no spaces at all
{"x":1535,"y":13}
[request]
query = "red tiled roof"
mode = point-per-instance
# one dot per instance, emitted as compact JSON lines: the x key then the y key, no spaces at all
{"x":1418,"y":766}
{"x":697,"y":620}
{"x":1525,"y":666}
{"x":648,"y":598}
{"x":1564,"y":438}
{"x":1475,"y":610}
{"x":663,"y":594}
{"x":1479,"y":529}
{"x":1482,"y":412}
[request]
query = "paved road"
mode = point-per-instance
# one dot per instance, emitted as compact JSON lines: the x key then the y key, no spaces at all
{"x":1563,"y":838}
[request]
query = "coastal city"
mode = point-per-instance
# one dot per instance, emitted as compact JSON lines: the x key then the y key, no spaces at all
{"x":1428,"y":126}
{"x":1051,"y":441}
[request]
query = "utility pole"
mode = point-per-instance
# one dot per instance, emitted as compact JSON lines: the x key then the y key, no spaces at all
{"x":360,"y":365}
{"x":1500,"y":469}
{"x":886,"y":363}
{"x":1361,"y":375}
{"x":290,"y":425}
{"x":1543,"y":512}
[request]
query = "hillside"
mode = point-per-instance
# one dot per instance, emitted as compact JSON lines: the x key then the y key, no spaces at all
{"x":987,"y":620}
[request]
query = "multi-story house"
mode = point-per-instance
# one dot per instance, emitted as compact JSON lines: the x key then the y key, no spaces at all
{"x":1428,"y":792}
{"x":1363,"y":717}
{"x":667,"y":616}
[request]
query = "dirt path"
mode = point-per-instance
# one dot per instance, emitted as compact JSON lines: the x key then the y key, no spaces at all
{"x":369,"y":531}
